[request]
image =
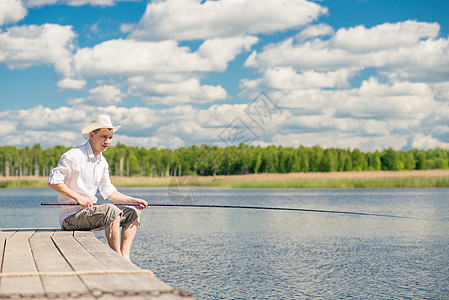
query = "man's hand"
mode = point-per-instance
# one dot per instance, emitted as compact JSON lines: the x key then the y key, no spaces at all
{"x":66,"y":191}
{"x":143,"y":203}
{"x":84,"y":202}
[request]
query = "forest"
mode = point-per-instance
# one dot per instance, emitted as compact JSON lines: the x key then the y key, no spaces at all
{"x":213,"y":160}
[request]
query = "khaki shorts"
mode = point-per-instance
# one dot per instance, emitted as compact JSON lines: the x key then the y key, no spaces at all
{"x":98,"y":217}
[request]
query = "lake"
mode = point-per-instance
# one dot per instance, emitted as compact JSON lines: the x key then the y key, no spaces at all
{"x":267,"y":254}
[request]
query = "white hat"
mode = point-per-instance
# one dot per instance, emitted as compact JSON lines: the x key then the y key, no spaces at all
{"x":101,"y":121}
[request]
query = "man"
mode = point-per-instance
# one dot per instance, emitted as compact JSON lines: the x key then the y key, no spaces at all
{"x":80,"y":173}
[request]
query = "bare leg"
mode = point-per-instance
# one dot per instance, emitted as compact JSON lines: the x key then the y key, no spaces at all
{"x":128,"y":234}
{"x":113,"y":234}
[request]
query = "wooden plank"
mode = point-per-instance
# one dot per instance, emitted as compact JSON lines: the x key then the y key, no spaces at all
{"x":84,"y":234}
{"x":44,"y":232}
{"x":103,"y":253}
{"x":113,"y":261}
{"x":94,"y":256}
{"x":17,"y":258}
{"x":63,"y":233}
{"x":24,"y":233}
{"x":51,"y":251}
{"x":81,"y":260}
{"x":48,"y":259}
{"x":2,"y":247}
{"x":4,"y":234}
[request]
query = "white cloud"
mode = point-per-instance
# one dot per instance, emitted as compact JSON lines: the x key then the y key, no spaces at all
{"x":174,"y":91}
{"x":106,"y":95}
{"x":6,"y":128}
{"x":373,"y":100}
{"x":103,"y":95}
{"x":130,"y":57}
{"x":404,"y":104}
{"x":337,"y":139}
{"x":91,"y":2}
{"x":384,"y":36}
{"x":286,"y":78}
{"x":184,"y":125}
{"x":422,"y":141}
{"x":11,"y":11}
{"x":160,"y":72}
{"x":179,"y":125}
{"x":314,"y":31}
{"x":406,"y":50}
{"x":193,"y":19}
{"x":310,"y":75}
{"x":26,"y":46}
{"x":71,"y":84}
{"x":441,"y":91}
{"x":38,"y":3}
{"x":403,"y":100}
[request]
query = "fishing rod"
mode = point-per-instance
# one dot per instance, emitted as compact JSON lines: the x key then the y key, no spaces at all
{"x":256,"y":207}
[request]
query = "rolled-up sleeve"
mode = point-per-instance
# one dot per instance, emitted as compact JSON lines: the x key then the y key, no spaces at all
{"x":106,"y":187}
{"x":61,"y":171}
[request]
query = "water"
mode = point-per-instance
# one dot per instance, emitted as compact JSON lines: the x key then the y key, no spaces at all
{"x":263,"y":254}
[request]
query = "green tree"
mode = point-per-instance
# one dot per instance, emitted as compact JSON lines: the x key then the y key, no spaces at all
{"x":390,"y":160}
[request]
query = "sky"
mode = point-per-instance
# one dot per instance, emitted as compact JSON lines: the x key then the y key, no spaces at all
{"x":366,"y":74}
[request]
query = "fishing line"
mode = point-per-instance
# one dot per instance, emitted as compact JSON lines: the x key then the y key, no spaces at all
{"x":260,"y":208}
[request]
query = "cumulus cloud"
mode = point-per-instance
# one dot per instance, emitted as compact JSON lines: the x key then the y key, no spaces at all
{"x":441,"y":91}
{"x":372,"y":100}
{"x":314,"y":31}
{"x":11,"y":11}
{"x":196,"y":19}
{"x":422,"y":141}
{"x":349,"y":125}
{"x":402,"y":100}
{"x":405,"y":50}
{"x":384,"y":36}
{"x":174,"y":91}
{"x":131,"y":57}
{"x":38,"y":3}
{"x":170,"y":127}
{"x":356,"y":87}
{"x":6,"y":127}
{"x":286,"y":78}
{"x":25,"y":46}
{"x":337,"y":139}
{"x":71,"y":84}
{"x":311,"y":76}
{"x":104,"y":95}
{"x":160,"y":72}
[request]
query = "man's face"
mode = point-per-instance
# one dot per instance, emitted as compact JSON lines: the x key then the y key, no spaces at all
{"x":101,"y":140}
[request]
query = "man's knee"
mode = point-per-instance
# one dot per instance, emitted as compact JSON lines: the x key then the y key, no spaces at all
{"x":111,"y":214}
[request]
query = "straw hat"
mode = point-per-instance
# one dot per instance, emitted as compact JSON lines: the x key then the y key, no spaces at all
{"x":101,"y":121}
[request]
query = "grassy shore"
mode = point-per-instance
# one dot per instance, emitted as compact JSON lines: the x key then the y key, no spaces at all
{"x":367,"y":179}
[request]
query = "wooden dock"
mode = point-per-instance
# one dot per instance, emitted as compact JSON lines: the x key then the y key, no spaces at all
{"x":55,"y":264}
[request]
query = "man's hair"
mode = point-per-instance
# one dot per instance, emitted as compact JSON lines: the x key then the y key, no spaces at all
{"x":97,"y":130}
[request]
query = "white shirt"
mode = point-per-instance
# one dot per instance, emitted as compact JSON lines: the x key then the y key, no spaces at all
{"x":83,"y":173}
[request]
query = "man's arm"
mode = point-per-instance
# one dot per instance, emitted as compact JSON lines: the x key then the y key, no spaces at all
{"x":116,"y":196}
{"x":63,"y":189}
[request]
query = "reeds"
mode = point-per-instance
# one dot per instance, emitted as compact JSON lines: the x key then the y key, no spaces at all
{"x":348,"y":183}
{"x":387,"y":181}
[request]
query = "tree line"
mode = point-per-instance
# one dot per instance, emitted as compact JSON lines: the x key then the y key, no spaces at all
{"x":213,"y":160}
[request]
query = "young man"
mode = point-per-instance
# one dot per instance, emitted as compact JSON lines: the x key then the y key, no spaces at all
{"x":80,"y":173}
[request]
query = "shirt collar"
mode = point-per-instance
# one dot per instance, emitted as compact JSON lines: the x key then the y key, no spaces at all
{"x":90,"y":152}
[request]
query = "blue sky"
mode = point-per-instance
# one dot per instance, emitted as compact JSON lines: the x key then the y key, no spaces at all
{"x":341,"y":73}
